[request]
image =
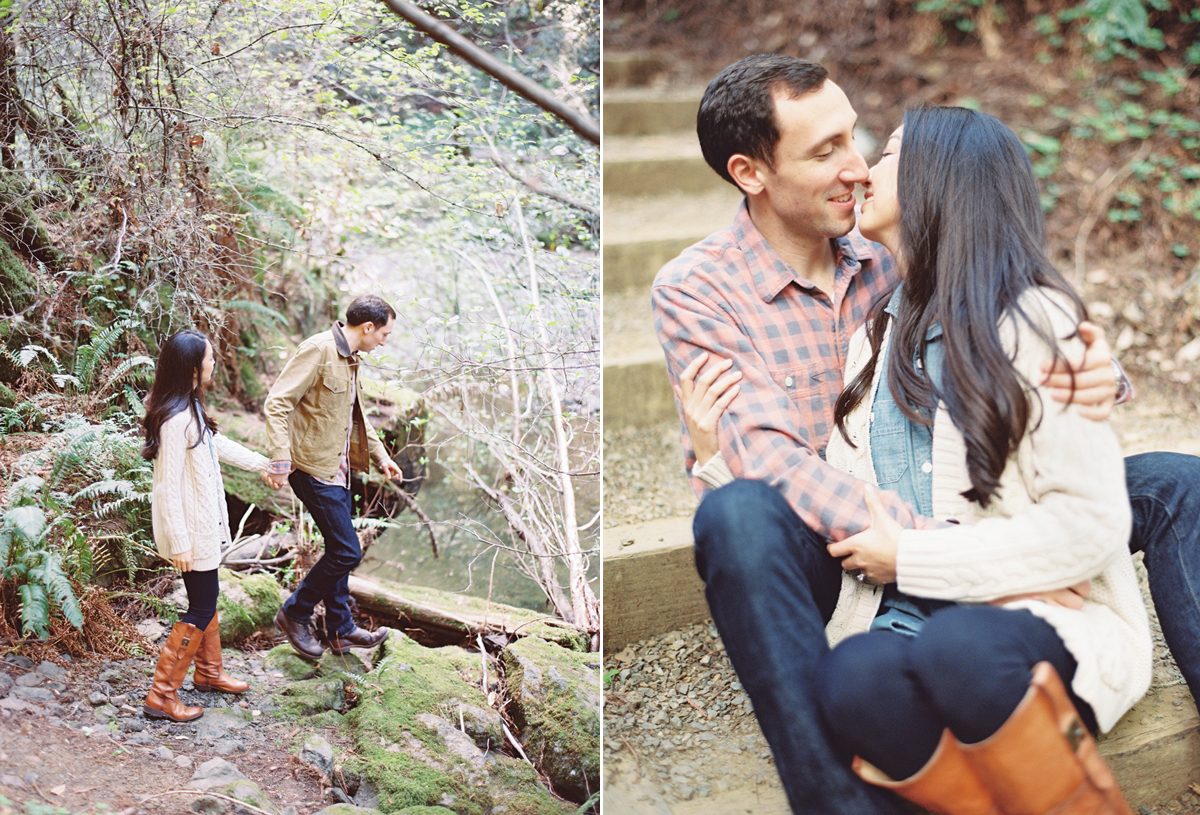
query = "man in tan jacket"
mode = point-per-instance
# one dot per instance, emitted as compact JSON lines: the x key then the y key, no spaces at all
{"x":317,"y":432}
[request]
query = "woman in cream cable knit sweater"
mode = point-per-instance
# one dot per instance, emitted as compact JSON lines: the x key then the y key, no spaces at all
{"x":190,"y":516}
{"x":981,"y":650}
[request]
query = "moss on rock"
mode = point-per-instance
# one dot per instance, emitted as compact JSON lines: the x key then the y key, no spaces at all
{"x":557,"y":697}
{"x":409,"y":745}
{"x":246,"y":604}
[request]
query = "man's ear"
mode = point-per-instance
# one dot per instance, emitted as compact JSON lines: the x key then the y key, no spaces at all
{"x":746,"y":172}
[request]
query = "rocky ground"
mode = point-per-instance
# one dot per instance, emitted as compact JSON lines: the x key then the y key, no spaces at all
{"x":73,"y":739}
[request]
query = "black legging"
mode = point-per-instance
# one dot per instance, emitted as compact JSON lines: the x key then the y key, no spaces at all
{"x":202,"y":590}
{"x":887,"y":697}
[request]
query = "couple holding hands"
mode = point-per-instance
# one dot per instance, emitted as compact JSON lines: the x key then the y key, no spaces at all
{"x":317,"y":432}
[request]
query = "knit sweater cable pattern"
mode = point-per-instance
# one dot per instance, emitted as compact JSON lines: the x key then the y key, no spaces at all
{"x":188,"y":506}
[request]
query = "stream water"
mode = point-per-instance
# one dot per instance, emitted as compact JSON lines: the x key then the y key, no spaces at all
{"x":466,"y":563}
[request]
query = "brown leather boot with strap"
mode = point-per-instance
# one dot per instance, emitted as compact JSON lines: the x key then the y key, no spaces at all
{"x":946,"y":784}
{"x":162,"y":702}
{"x":1043,"y":760}
{"x":210,"y":675}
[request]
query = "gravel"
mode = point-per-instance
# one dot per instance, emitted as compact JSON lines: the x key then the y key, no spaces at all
{"x":644,"y":477}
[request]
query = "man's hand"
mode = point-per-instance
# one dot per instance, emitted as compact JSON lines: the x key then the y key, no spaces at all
{"x":391,"y":469}
{"x":1096,"y":384}
{"x":1071,"y":597}
{"x":704,"y":399}
{"x":183,"y":561}
{"x":874,"y":549}
{"x":276,"y":480}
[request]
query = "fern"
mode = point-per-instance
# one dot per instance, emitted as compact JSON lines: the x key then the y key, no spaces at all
{"x":30,"y":352}
{"x":88,"y":356}
{"x":35,"y":610}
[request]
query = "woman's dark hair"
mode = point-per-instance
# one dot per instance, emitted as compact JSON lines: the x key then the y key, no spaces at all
{"x":972,"y":239}
{"x":737,"y":113}
{"x":177,"y":387}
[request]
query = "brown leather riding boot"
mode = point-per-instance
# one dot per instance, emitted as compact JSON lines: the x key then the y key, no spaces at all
{"x":209,"y":675}
{"x":1043,"y":760}
{"x":162,"y":701}
{"x":946,"y":784}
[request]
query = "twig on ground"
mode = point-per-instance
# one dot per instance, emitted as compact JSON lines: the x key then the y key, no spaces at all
{"x":210,"y":794}
{"x":515,"y":743}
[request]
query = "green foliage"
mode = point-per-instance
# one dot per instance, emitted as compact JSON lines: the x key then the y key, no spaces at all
{"x":959,"y":12}
{"x":1110,"y":26}
{"x":36,"y":570}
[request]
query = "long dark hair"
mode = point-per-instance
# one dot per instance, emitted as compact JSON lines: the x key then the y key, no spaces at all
{"x":972,"y":239}
{"x":177,"y":387}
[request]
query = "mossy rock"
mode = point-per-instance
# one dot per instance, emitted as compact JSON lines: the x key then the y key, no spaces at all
{"x":294,"y":667}
{"x":350,"y":809}
{"x":246,"y":604}
{"x":17,"y":284}
{"x":248,"y":792}
{"x":556,"y":700}
{"x":409,"y":745}
{"x":310,"y":697}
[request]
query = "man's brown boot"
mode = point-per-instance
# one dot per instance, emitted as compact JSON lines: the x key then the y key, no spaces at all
{"x":209,"y":675}
{"x":162,"y":702}
{"x":947,"y":784}
{"x":1043,"y":760}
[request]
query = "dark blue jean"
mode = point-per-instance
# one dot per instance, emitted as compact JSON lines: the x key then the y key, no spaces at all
{"x":888,"y":697}
{"x":328,"y":580}
{"x":771,"y":588}
{"x":1164,"y":491}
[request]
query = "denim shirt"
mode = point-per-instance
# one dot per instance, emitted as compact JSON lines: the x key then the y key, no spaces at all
{"x":901,"y":453}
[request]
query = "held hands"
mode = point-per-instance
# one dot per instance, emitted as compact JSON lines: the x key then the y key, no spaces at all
{"x":1096,"y":384}
{"x":704,"y":399}
{"x":874,"y":549}
{"x":275,"y":481}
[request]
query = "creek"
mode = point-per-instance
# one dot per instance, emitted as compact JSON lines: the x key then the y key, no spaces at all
{"x":467,"y":562}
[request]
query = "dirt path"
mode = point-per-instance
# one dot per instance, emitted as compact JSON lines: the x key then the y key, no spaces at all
{"x":73,"y":737}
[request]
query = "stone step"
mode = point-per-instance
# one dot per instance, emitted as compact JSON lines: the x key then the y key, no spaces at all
{"x":651,"y":587}
{"x":636,"y":389}
{"x":627,"y":69}
{"x":641,"y":233}
{"x":647,"y":111}
{"x":650,"y":165}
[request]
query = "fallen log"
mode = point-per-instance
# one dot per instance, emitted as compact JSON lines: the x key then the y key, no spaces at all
{"x":460,"y":615}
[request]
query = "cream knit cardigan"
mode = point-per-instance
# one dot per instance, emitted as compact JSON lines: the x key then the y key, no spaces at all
{"x":1062,"y":516}
{"x":188,"y":507}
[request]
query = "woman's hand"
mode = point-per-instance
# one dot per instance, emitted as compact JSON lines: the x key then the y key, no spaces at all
{"x":704,"y":399}
{"x":183,"y":561}
{"x":1095,"y":377}
{"x":873,"y":550}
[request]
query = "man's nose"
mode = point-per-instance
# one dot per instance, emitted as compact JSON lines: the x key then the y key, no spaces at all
{"x":856,"y":170}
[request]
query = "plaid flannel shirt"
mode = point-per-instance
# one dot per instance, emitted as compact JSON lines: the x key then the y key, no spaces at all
{"x":733,"y":296}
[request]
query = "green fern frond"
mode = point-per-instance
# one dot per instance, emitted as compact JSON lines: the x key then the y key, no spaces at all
{"x":35,"y":610}
{"x":128,"y":364}
{"x":101,"y":345}
{"x":61,"y":590}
